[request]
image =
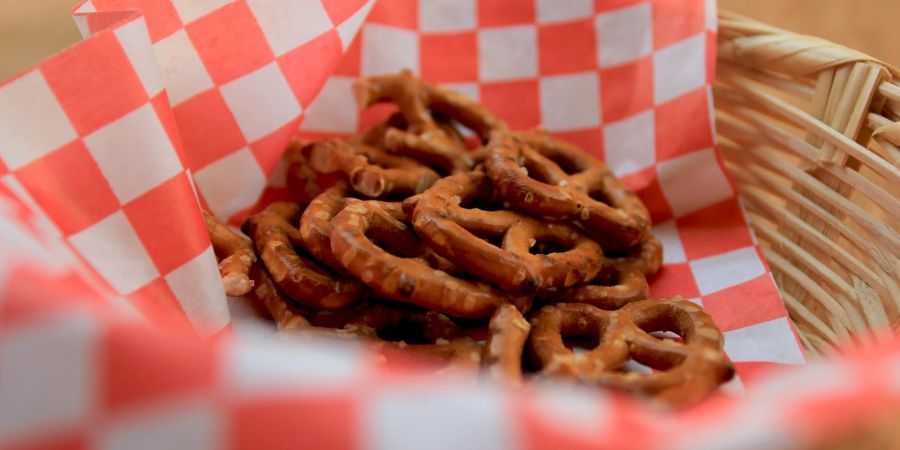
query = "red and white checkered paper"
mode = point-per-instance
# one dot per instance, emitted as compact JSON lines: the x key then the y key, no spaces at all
{"x":107,"y":148}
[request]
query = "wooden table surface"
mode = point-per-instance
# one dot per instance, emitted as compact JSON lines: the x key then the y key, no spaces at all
{"x":32,"y":30}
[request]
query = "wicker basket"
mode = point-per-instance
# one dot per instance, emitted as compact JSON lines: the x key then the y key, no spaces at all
{"x":809,"y":132}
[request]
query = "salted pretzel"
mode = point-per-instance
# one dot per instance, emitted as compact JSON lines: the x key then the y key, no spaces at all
{"x":300,"y":277}
{"x":508,"y":332}
{"x":445,"y":218}
{"x":645,"y":257}
{"x":374,"y":242}
{"x":424,"y":138}
{"x":683,"y":372}
{"x":235,"y":255}
{"x":303,"y":182}
{"x":315,"y":223}
{"x":552,"y":178}
{"x":618,"y":284}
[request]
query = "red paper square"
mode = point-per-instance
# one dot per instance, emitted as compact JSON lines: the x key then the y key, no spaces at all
{"x":318,"y":420}
{"x":516,"y":102}
{"x":71,"y":439}
{"x":3,"y":169}
{"x":746,"y":304}
{"x":70,"y":188}
{"x":674,"y":279}
{"x":646,"y":184}
{"x":589,"y":140}
{"x":718,"y":228}
{"x":208,"y":129}
{"x":609,"y":5}
{"x":230,"y":42}
{"x":627,"y":89}
{"x":496,"y":13}
{"x":674,"y":20}
{"x":162,"y":18}
{"x":341,"y":10}
{"x":130,"y":353}
{"x":449,"y":57}
{"x":372,"y":116}
{"x":157,"y":303}
{"x":349,"y":64}
{"x":269,"y":149}
{"x":93,"y":98}
{"x":567,"y":47}
{"x":163,"y":111}
{"x":168,"y":223}
{"x":398,"y":13}
{"x":304,"y":77}
{"x":682,"y":125}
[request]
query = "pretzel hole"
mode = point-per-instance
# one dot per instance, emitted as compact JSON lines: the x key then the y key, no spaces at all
{"x":609,"y":276}
{"x":568,"y":165}
{"x":600,"y":196}
{"x":496,"y":241}
{"x":409,"y":331}
{"x":634,"y":366}
{"x":581,"y":344}
{"x":581,"y":333}
{"x":664,"y":323}
{"x":482,"y":202}
{"x":546,"y":245}
{"x":401,"y":245}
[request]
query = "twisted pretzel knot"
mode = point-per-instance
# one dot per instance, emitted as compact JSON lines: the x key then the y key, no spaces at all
{"x":551,"y":178}
{"x":235,"y":255}
{"x":618,"y":284}
{"x":456,"y":231}
{"x":376,"y":244}
{"x":425,"y":138}
{"x":370,"y":171}
{"x":683,"y":372}
{"x":300,"y":277}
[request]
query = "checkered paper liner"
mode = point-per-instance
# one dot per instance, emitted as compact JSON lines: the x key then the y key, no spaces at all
{"x":107,"y":148}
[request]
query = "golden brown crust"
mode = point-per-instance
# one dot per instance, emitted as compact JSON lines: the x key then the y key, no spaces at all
{"x":684,"y":372}
{"x":508,"y":332}
{"x":315,"y":224}
{"x":618,"y":284}
{"x":235,"y":255}
{"x":441,"y":217}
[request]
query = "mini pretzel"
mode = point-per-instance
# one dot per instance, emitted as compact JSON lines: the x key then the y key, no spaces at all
{"x":283,"y":311}
{"x":683,"y":372}
{"x":424,"y":138}
{"x":370,"y":171}
{"x":235,"y":254}
{"x":300,"y":277}
{"x":304,"y":183}
{"x":504,"y":347}
{"x":363,"y":230}
{"x":458,"y":233}
{"x":618,"y":284}
{"x":315,"y":224}
{"x":551,"y":178}
{"x":645,"y":257}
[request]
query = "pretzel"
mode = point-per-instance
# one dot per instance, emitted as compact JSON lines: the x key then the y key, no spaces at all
{"x":425,"y":138}
{"x":315,"y":224}
{"x":235,"y":254}
{"x":505,"y":344}
{"x":646,"y":257}
{"x":376,"y":244}
{"x":552,"y":178}
{"x":300,"y":277}
{"x":683,"y":372}
{"x":457,"y":231}
{"x":618,"y":284}
{"x":304,"y":183}
{"x":284,"y":312}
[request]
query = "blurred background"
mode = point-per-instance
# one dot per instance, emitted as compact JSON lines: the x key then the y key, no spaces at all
{"x":33,"y":30}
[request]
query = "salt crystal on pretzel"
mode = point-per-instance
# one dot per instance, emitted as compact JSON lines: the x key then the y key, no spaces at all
{"x":235,"y":255}
{"x":505,"y":344}
{"x":460,"y":233}
{"x":551,"y":178}
{"x":374,"y":242}
{"x":303,"y":279}
{"x":683,"y":372}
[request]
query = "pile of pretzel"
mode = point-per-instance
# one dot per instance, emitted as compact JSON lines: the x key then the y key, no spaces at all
{"x":415,"y":238}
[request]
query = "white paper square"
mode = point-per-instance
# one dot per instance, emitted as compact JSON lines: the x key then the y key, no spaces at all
{"x":507,"y":53}
{"x":388,"y":50}
{"x":198,"y":287}
{"x":572,"y":407}
{"x":134,"y":153}
{"x":232,"y":183}
{"x":624,"y":35}
{"x":289,"y":23}
{"x":135,"y":40}
{"x":693,"y":181}
{"x":261,"y":101}
{"x":630,"y":144}
{"x":549,"y":11}
{"x":113,"y":249}
{"x":36,"y":396}
{"x":334,"y":109}
{"x":673,"y":250}
{"x":348,"y":29}
{"x":570,"y":102}
{"x":195,"y":425}
{"x":184,"y":72}
{"x":189,"y":10}
{"x":679,"y":68}
{"x":446,"y":15}
{"x":718,"y":272}
{"x":433,"y":418}
{"x":32,"y":123}
{"x":712,"y":18}
{"x":771,"y":341}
